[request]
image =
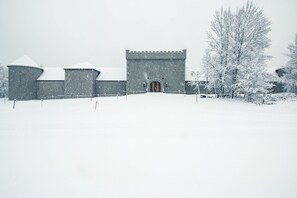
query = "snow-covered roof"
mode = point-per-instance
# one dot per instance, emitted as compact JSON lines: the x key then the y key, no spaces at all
{"x":112,"y":74}
{"x":83,"y":65}
{"x":25,"y":61}
{"x":52,"y":74}
{"x":189,"y":77}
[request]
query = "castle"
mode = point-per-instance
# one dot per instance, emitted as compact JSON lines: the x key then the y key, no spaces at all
{"x":149,"y":71}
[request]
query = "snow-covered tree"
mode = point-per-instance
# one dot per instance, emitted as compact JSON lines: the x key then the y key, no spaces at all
{"x":196,"y":82}
{"x":216,"y":60}
{"x":249,"y":41}
{"x":290,"y":76}
{"x":236,"y":49}
{"x":253,"y":81}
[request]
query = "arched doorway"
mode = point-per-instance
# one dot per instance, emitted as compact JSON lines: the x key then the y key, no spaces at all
{"x":155,"y":86}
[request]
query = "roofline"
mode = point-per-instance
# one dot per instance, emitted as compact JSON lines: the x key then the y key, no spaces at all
{"x":112,"y":80}
{"x":35,"y":67}
{"x":82,"y":69}
{"x":48,"y":80}
{"x":156,"y":55}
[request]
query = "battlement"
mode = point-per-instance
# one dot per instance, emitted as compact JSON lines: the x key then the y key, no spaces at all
{"x":156,"y":54}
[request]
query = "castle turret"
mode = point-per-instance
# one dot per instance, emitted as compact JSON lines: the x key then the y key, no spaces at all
{"x":22,"y":75}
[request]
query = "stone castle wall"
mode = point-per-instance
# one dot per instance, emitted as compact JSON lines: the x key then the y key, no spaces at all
{"x":168,"y":68}
{"x":160,"y":55}
{"x":80,"y":82}
{"x":49,"y":89}
{"x":109,"y":88}
{"x":22,"y":83}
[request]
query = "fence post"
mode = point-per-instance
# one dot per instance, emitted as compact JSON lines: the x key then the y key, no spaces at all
{"x":41,"y":102}
{"x":14,"y":103}
{"x":96,"y":105}
{"x":196,"y":96}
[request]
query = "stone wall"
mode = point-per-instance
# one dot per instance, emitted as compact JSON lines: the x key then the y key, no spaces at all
{"x":80,"y":82}
{"x":168,"y":68}
{"x":159,"y":55}
{"x":108,"y":88}
{"x":49,"y":89}
{"x":22,"y":83}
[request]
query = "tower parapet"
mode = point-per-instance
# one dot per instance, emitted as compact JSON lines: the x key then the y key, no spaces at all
{"x":156,"y":55}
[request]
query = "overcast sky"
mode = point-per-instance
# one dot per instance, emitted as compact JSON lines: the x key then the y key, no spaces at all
{"x":58,"y":33}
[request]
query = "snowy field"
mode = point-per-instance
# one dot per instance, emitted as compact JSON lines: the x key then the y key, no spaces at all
{"x":148,"y":146}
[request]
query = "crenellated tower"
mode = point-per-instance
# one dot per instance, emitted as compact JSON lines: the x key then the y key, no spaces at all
{"x":156,"y":71}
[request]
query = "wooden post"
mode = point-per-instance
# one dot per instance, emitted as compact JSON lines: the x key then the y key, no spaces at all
{"x":14,"y":103}
{"x":196,"y":96}
{"x":96,"y":105}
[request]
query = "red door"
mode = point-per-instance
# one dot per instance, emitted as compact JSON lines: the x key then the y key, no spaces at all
{"x":155,"y":86}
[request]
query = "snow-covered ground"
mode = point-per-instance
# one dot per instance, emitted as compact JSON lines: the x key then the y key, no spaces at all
{"x":148,"y":146}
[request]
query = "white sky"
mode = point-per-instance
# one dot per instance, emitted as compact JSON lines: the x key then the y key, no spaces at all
{"x":64,"y":32}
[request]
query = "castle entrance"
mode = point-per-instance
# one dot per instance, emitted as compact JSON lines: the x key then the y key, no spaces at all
{"x":155,"y":86}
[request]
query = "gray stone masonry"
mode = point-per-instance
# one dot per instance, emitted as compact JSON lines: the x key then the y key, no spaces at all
{"x":109,"y":88}
{"x":167,"y":68}
{"x":80,"y":82}
{"x":22,"y":83}
{"x":49,"y":89}
{"x":160,"y":55}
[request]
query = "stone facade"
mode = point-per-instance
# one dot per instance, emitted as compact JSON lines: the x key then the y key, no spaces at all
{"x":80,"y":82}
{"x":22,"y":83}
{"x":146,"y":72}
{"x":49,"y":89}
{"x":109,"y":88}
{"x":165,"y":69}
